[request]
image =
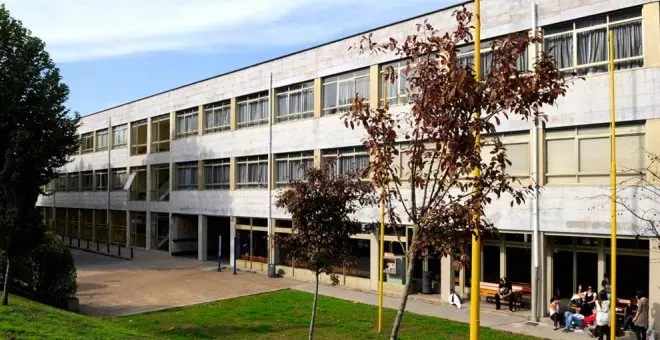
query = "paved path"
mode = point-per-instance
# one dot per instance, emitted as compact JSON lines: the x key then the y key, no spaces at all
{"x":489,"y":318}
{"x":114,"y":287}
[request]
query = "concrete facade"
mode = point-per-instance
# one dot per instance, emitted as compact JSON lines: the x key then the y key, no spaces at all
{"x":566,"y":209}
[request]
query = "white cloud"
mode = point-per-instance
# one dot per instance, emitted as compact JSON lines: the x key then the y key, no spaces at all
{"x":90,"y":29}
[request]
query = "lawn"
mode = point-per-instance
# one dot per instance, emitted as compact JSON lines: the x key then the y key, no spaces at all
{"x":278,"y":315}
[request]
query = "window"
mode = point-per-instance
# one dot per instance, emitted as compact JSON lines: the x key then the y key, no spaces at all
{"x":186,"y":176}
{"x":73,"y":182}
{"x":160,"y":133}
{"x":186,"y":122}
{"x":339,"y":91}
{"x":582,"y":45}
{"x":119,"y":177}
{"x":61,"y":182}
{"x":465,"y":56}
{"x":253,"y":110}
{"x":252,"y":172}
{"x":139,"y":137}
{"x":217,"y":116}
{"x":119,"y":136}
{"x":87,"y":181}
{"x":87,"y":142}
{"x":291,"y":166}
{"x":582,"y":155}
{"x":341,"y":161}
{"x":517,"y":151}
{"x":295,"y":102}
{"x":397,"y":92}
{"x":102,"y":140}
{"x":101,"y":180}
{"x":216,"y":174}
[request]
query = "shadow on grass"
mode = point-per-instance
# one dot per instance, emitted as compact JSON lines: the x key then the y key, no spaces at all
{"x":222,"y":332}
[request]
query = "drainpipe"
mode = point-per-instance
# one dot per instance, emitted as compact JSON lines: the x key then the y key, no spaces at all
{"x":535,"y":207}
{"x":271,"y":234}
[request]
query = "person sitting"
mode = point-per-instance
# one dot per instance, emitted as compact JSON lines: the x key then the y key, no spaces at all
{"x":454,"y":299}
{"x":573,"y":319}
{"x":554,"y":310}
{"x":505,"y":291}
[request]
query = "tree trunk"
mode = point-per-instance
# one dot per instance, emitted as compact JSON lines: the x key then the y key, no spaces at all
{"x":316,"y":296}
{"x":404,"y":298}
{"x":5,"y":291}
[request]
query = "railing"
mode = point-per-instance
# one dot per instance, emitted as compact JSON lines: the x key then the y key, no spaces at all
{"x":100,"y":248}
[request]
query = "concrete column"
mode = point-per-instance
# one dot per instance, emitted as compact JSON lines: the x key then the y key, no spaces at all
{"x":232,"y":240}
{"x":574,"y":273}
{"x":232,"y":113}
{"x":94,"y":226}
{"x":79,"y":223}
{"x":374,"y":85}
{"x":201,"y":120}
{"x":128,"y":231}
{"x":202,"y":237}
{"x":318,"y":98}
{"x":502,"y":258}
{"x":461,"y":281}
{"x":651,"y":27}
{"x":172,"y":233}
{"x":549,"y":271}
{"x":149,"y":186}
{"x":446,"y":277}
{"x":233,"y":173}
{"x":66,"y":222}
{"x":148,"y":221}
{"x":149,"y":136}
{"x":601,"y":262}
{"x":654,"y":283}
{"x":374,"y":254}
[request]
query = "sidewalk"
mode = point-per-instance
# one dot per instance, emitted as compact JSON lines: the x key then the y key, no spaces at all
{"x":489,"y":318}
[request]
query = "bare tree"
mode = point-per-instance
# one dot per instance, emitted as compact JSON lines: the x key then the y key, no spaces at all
{"x":434,"y":190}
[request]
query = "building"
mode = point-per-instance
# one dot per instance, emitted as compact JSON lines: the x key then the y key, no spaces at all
{"x":192,"y":163}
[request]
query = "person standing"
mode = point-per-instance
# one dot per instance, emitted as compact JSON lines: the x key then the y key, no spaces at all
{"x":603,"y":316}
{"x":641,"y":319}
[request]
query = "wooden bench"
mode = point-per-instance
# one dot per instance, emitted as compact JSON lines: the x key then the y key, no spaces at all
{"x":520,"y":291}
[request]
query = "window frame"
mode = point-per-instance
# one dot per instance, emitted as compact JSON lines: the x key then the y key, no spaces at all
{"x":260,"y":99}
{"x":87,"y":175}
{"x":351,"y":76}
{"x":290,"y":159}
{"x":117,"y":173}
{"x":259,"y":161}
{"x":210,"y":165}
{"x":101,"y":180}
{"x":61,"y":182}
{"x":212,"y":109}
{"x":101,"y":133}
{"x":159,"y":144}
{"x":338,"y":153}
{"x":70,"y":177}
{"x":87,"y":138}
{"x":608,"y":25}
{"x":288,"y":91}
{"x":466,"y":53}
{"x":188,"y":166}
{"x":633,"y":129}
{"x":119,"y":136}
{"x":192,"y":113}
{"x":139,"y":148}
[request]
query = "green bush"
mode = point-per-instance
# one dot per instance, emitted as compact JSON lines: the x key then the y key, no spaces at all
{"x":47,"y":273}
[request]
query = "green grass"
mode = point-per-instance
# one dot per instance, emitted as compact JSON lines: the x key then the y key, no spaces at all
{"x":278,"y":315}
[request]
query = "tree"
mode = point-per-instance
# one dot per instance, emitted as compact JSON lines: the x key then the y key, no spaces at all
{"x":434,"y":190}
{"x":37,"y":134}
{"x":639,"y":195}
{"x":321,"y":207}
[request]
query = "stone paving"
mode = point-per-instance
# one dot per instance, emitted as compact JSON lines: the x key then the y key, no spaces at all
{"x":152,"y":281}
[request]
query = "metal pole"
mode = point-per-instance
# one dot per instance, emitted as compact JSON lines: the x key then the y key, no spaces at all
{"x":107,"y":209}
{"x":235,"y":252}
{"x":476,"y":238}
{"x":613,"y":299}
{"x":219,"y":252}
{"x":271,"y":243}
{"x":381,"y":251}
{"x":535,"y":208}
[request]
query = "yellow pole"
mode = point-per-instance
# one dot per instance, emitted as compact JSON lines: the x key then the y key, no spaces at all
{"x":613,"y":184}
{"x":382,"y":241}
{"x":476,"y":239}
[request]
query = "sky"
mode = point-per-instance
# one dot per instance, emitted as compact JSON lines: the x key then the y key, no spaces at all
{"x":112,"y":52}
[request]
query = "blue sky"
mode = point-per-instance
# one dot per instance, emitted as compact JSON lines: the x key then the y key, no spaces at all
{"x":112,"y":52}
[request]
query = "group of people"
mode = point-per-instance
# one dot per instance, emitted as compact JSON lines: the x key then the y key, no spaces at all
{"x":591,"y":310}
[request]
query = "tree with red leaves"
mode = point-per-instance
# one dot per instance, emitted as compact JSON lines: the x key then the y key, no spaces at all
{"x":322,"y":208}
{"x":433,"y":189}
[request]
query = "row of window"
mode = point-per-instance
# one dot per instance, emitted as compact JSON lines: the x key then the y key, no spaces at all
{"x":572,"y":155}
{"x":579,"y":45}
